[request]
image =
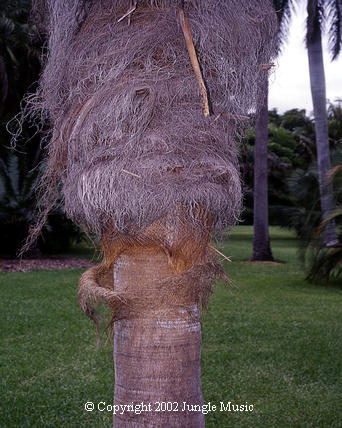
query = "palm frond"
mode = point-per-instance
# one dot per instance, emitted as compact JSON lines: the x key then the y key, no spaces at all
{"x":326,"y":263}
{"x":334,"y":171}
{"x":284,"y":10}
{"x":334,"y":15}
{"x":334,"y":215}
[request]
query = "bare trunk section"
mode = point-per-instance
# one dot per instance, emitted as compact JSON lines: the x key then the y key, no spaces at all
{"x":318,"y":93}
{"x":157,"y":351}
{"x":261,"y":239}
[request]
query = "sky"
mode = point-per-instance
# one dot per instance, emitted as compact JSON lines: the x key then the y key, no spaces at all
{"x":289,"y":83}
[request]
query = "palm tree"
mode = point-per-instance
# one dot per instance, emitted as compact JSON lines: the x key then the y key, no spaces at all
{"x":148,"y":164}
{"x":322,"y":13}
{"x":261,"y":238}
{"x":316,"y":15}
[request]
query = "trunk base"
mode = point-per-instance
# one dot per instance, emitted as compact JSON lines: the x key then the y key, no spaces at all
{"x":156,"y":352}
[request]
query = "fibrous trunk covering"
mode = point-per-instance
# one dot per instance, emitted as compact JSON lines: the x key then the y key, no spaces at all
{"x":145,"y":99}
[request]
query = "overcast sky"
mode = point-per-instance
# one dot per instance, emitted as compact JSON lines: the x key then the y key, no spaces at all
{"x":290,"y":85}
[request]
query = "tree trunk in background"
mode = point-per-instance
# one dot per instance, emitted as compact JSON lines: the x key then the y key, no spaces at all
{"x":156,"y":352}
{"x":317,"y":82}
{"x":261,"y":239}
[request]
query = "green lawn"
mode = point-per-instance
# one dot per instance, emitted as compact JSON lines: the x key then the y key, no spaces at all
{"x":272,"y":341}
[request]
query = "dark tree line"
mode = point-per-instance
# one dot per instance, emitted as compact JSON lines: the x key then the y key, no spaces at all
{"x":21,"y":166}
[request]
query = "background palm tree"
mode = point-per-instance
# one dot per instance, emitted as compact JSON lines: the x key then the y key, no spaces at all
{"x":261,"y":239}
{"x":321,"y":14}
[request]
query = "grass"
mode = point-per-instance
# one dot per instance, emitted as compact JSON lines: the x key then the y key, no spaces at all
{"x":272,"y":341}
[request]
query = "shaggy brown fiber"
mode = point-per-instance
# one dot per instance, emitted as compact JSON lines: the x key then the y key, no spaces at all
{"x":145,"y":104}
{"x":191,"y":286}
{"x":130,"y":141}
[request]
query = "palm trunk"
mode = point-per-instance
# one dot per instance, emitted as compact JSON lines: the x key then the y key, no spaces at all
{"x":318,"y":93}
{"x":261,"y":239}
{"x":156,"y":352}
